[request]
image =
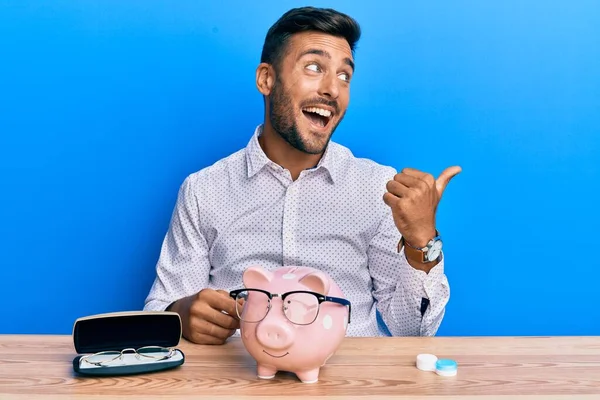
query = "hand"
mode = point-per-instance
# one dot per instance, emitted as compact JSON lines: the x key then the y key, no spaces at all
{"x":203,"y":318}
{"x":413,"y":197}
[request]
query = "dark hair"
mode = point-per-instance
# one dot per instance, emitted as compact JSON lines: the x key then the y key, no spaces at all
{"x":306,"y":19}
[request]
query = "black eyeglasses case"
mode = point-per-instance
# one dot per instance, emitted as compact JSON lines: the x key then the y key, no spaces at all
{"x":127,"y":330}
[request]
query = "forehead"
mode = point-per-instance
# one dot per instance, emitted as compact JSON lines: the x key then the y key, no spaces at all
{"x":338,"y":47}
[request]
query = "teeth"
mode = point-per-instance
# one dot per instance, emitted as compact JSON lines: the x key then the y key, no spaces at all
{"x":320,"y":111}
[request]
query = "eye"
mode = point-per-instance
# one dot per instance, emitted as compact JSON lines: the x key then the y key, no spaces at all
{"x":345,"y":77}
{"x":313,"y":67}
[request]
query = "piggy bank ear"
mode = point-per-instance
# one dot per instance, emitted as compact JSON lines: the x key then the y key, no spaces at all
{"x":256,"y":277}
{"x":316,"y":282}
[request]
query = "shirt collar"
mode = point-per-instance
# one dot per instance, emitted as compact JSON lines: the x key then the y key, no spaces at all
{"x":257,"y":159}
{"x":255,"y":156}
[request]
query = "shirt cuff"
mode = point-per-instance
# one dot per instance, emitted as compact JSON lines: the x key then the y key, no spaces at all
{"x":156,"y":305}
{"x":419,"y":282}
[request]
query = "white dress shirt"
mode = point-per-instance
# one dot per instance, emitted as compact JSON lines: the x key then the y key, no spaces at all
{"x":246,"y":210}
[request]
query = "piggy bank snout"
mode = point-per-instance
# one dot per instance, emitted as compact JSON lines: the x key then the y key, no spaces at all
{"x":275,"y":335}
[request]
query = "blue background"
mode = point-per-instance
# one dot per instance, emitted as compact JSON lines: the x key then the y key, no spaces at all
{"x":106,"y":106}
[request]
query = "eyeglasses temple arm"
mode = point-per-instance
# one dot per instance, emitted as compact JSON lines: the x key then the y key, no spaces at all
{"x":344,"y":302}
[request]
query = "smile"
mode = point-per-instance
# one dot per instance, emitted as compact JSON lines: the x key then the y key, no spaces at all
{"x":276,"y":356}
{"x":319,"y":117}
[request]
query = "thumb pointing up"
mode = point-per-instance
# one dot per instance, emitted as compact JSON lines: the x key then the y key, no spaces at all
{"x":442,"y":181}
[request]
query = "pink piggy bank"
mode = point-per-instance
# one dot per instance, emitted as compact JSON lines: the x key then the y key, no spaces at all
{"x":291,"y":319}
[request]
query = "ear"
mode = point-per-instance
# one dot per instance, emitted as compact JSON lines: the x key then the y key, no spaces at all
{"x":316,"y":282}
{"x":256,"y":277}
{"x":265,"y":77}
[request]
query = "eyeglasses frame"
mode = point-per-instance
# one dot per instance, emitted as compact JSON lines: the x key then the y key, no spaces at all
{"x":122,"y":353}
{"x":320,"y":298}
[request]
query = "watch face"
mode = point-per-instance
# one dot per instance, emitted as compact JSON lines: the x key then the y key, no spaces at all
{"x":435,"y":250}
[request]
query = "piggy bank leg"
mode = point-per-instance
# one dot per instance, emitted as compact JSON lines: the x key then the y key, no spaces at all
{"x":310,"y":376}
{"x":266,"y":372}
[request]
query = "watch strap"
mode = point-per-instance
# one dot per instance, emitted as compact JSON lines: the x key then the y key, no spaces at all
{"x":416,"y":253}
{"x":411,"y":252}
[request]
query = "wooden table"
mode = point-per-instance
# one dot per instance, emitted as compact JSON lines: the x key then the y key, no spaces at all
{"x":363,"y":368}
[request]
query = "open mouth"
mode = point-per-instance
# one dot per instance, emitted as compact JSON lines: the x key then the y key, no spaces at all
{"x":318,"y":116}
{"x":276,"y":356}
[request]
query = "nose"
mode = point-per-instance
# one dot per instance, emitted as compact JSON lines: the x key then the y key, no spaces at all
{"x":276,"y":335}
{"x":329,"y":86}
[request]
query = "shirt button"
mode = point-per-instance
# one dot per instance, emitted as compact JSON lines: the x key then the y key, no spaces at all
{"x":428,"y":284}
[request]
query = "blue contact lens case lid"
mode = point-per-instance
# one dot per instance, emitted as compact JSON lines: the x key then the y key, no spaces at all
{"x":445,"y":365}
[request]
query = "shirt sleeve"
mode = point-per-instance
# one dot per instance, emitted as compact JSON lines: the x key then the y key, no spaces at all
{"x":400,"y":289}
{"x":183,"y":266}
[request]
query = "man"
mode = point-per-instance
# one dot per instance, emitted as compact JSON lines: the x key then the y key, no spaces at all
{"x":293,"y":197}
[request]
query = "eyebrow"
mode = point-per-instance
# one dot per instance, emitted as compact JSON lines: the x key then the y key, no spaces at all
{"x":324,"y":53}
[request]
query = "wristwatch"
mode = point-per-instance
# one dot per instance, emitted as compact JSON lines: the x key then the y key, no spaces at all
{"x":427,"y":254}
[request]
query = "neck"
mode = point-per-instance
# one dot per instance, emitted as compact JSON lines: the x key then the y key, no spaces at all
{"x":284,"y":154}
